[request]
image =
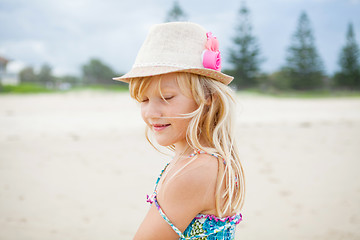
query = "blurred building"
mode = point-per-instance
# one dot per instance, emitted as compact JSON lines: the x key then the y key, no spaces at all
{"x":7,"y":78}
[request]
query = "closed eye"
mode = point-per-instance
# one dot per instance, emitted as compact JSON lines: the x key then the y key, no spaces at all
{"x":168,"y":98}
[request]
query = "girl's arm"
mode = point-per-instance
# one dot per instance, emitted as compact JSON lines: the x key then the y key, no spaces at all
{"x":192,"y":191}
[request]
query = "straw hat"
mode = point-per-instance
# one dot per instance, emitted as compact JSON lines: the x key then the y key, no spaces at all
{"x":178,"y":47}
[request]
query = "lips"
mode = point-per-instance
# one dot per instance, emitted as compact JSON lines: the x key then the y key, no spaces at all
{"x":159,"y":127}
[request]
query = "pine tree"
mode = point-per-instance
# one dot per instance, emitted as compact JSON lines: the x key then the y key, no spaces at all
{"x":245,"y":55}
{"x":176,"y":14}
{"x":304,"y":67}
{"x":349,"y":61}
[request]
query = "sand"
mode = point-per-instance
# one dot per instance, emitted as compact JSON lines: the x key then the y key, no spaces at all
{"x":77,"y":166}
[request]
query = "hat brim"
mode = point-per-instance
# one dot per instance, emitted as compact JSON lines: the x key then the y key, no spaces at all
{"x":138,"y":72}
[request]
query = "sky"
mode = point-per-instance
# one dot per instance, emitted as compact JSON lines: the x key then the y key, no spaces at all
{"x":66,"y":34}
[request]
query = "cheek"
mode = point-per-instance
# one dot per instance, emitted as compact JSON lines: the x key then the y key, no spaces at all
{"x":191,"y":106}
{"x":182,"y":125}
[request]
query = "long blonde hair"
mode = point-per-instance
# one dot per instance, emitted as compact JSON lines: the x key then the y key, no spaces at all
{"x":212,"y":122}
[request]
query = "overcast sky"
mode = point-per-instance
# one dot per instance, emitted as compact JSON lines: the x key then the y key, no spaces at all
{"x":67,"y":33}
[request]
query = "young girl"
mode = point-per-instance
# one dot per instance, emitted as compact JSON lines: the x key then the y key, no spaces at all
{"x":188,"y":107}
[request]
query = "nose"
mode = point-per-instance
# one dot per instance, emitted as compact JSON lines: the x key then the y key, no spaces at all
{"x":151,"y":110}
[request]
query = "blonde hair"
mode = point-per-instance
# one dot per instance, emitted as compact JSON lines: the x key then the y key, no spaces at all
{"x":212,"y":122}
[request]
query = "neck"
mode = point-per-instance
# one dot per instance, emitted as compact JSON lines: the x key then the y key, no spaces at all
{"x":182,"y":150}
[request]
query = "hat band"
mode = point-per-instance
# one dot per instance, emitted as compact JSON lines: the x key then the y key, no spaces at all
{"x":162,"y":65}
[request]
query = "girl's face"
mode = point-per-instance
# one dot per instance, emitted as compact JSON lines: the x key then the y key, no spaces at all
{"x":164,"y":117}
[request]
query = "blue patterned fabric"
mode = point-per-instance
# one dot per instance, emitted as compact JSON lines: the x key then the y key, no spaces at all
{"x":203,"y":226}
{"x":210,"y":228}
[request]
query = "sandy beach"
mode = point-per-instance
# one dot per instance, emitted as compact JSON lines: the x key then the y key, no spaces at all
{"x":76,"y":166}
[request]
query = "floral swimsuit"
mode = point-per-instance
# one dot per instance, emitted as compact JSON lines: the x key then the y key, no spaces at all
{"x":205,"y":227}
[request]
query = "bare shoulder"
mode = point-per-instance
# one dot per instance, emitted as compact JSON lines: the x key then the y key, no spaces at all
{"x":190,"y":191}
{"x":202,"y":170}
{"x":205,"y":166}
{"x":195,"y":180}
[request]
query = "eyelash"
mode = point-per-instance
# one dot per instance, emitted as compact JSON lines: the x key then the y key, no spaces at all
{"x":167,"y":99}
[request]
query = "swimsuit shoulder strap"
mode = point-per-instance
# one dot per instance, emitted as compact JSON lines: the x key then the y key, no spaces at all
{"x":158,"y":179}
{"x":198,"y":151}
{"x":152,"y":199}
{"x":178,"y":232}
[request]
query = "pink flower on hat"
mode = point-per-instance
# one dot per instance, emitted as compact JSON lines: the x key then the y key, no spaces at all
{"x":211,"y":57}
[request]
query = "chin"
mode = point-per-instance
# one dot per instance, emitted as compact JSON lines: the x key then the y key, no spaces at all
{"x":164,"y":143}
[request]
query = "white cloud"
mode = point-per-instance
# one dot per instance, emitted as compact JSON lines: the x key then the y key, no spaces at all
{"x":33,"y":50}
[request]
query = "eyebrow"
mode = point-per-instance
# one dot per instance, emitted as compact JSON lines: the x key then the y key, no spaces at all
{"x":167,"y":89}
{"x":164,"y":90}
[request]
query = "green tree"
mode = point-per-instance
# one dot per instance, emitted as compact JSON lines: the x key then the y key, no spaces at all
{"x":279,"y":80}
{"x":245,"y":54}
{"x":96,"y":72}
{"x":27,"y":75}
{"x":304,"y":67}
{"x":349,"y":62}
{"x":73,"y":80}
{"x":45,"y":76}
{"x":176,"y":14}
